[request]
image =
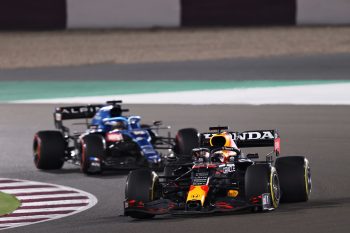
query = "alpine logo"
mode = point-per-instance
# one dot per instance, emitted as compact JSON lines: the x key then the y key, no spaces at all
{"x":77,"y":110}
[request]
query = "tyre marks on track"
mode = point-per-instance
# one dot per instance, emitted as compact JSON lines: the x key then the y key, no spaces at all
{"x":42,"y":202}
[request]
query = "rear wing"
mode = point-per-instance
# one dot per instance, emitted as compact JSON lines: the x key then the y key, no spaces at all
{"x":253,"y":138}
{"x":75,"y":112}
{"x":85,"y":112}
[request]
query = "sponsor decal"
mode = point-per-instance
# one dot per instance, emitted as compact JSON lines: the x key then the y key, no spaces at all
{"x":227,"y":168}
{"x":138,"y":132}
{"x":78,"y":110}
{"x":114,"y":137}
{"x":265,"y":199}
{"x":249,"y":135}
{"x":258,"y":135}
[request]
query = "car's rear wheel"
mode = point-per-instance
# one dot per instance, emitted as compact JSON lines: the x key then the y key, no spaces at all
{"x":92,"y":153}
{"x":295,"y":178}
{"x":262,"y":179}
{"x":49,"y":150}
{"x":141,"y":185}
{"x":185,"y":140}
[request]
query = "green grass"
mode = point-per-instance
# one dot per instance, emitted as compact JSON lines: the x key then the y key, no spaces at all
{"x":8,"y":203}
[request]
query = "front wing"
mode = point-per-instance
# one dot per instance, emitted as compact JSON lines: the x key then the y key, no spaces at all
{"x":165,"y":206}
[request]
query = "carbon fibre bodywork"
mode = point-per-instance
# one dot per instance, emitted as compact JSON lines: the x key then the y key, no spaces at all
{"x":217,"y":178}
{"x":111,"y":140}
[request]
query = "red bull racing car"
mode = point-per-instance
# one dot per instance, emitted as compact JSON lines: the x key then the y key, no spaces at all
{"x":219,"y":177}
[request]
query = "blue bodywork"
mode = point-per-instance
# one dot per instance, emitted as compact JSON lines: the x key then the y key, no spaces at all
{"x":103,"y":122}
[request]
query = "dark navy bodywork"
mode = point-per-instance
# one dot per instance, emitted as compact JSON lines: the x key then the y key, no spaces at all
{"x":126,"y":143}
{"x":103,"y":122}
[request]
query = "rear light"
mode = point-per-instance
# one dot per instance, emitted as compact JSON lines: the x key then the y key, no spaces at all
{"x":131,"y":202}
{"x":140,"y":204}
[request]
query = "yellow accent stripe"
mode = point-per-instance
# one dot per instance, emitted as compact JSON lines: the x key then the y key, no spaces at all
{"x":306,"y":176}
{"x":275,"y":204}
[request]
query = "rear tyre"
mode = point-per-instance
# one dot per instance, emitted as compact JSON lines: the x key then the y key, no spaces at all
{"x":259,"y":179}
{"x":141,"y":185}
{"x":186,"y":139}
{"x":92,"y":153}
{"x":295,"y":178}
{"x":49,"y":150}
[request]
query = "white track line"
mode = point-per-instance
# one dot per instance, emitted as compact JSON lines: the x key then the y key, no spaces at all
{"x":3,"y":219}
{"x":48,"y":196}
{"x":41,"y":210}
{"x":47,"y":210}
{"x":43,"y":204}
{"x":15,"y":191}
{"x":318,"y":94}
{"x":17,"y":184}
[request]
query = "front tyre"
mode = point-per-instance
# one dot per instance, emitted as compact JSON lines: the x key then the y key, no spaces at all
{"x":295,"y":178}
{"x":262,"y":179}
{"x":49,"y":150}
{"x":141,"y":185}
{"x":92,"y":153}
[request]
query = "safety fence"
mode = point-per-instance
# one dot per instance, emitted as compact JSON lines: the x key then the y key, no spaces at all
{"x":63,"y":14}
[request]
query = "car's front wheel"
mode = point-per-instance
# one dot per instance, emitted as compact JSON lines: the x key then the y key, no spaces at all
{"x":92,"y":153}
{"x":262,"y":179}
{"x":141,"y":185}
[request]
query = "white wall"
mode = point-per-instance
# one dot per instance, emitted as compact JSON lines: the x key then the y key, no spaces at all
{"x":123,"y":13}
{"x":323,"y":11}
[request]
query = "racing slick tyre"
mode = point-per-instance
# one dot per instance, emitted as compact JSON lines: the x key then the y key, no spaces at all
{"x":49,"y":150}
{"x":92,"y":152}
{"x":261,"y":179}
{"x":185,"y":140}
{"x":141,"y":185}
{"x":295,"y":178}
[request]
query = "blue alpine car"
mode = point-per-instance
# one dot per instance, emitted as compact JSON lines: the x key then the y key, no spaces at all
{"x":110,"y":141}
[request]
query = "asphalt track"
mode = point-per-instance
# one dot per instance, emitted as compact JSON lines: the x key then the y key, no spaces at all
{"x":319,"y":132}
{"x":297,"y":67}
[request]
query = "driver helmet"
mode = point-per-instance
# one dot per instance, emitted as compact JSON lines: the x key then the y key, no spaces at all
{"x":223,"y":156}
{"x":218,"y":157}
{"x":119,"y":125}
